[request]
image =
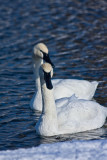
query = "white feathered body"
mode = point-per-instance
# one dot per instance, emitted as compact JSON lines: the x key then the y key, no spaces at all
{"x":78,"y":115}
{"x":74,"y":115}
{"x":66,"y":88}
{"x":82,"y":89}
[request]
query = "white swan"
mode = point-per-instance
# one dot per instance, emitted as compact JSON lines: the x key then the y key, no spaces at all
{"x":75,"y":115}
{"x":62,"y":87}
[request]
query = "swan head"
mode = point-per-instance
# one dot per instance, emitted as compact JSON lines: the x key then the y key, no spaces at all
{"x":41,"y":51}
{"x":47,"y":73}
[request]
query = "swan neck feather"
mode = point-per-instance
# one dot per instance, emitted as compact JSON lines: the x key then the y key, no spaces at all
{"x":36,"y":65}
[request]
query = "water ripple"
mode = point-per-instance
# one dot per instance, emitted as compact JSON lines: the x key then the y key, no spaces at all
{"x":75,"y":33}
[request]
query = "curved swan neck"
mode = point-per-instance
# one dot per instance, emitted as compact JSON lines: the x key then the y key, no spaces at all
{"x":36,"y":65}
{"x":49,"y":107}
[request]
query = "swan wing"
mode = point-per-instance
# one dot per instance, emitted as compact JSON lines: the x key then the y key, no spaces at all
{"x":67,"y":87}
{"x":81,"y":115}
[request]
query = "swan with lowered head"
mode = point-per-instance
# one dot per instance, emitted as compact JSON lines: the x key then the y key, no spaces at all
{"x":76,"y":115}
{"x":62,"y":87}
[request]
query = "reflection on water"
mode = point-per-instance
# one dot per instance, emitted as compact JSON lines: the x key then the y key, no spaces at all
{"x":75,"y":33}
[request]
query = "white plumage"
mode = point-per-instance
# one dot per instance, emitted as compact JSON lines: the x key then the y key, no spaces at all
{"x":81,"y":88}
{"x":62,"y":87}
{"x":74,"y":115}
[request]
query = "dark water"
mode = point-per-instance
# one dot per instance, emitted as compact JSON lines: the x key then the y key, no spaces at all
{"x":75,"y":32}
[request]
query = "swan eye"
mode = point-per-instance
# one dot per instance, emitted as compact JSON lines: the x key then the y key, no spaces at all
{"x":43,"y":53}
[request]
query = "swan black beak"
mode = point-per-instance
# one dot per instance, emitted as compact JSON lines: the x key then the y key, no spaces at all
{"x":47,"y":59}
{"x":47,"y":78}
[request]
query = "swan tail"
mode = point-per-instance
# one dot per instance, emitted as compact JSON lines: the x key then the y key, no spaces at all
{"x":105,"y":110}
{"x":93,"y":88}
{"x":95,"y":84}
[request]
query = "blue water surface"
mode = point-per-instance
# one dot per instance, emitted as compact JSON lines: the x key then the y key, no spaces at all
{"x":75,"y":33}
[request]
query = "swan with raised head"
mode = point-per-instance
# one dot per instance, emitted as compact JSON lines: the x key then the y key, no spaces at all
{"x":40,"y":54}
{"x":75,"y":115}
{"x":62,"y":87}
